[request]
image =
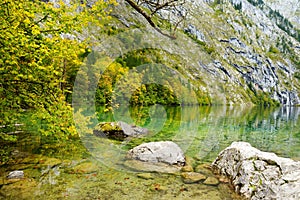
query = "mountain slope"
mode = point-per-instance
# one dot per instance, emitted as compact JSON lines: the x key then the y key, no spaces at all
{"x":233,"y":52}
{"x":290,"y":9}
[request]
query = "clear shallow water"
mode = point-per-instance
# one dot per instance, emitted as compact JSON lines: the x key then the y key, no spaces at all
{"x":92,"y":168}
{"x":203,"y":132}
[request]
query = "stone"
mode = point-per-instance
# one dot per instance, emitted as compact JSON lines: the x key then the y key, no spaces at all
{"x":187,"y":168}
{"x":158,"y":152}
{"x":189,"y":160}
{"x":118,"y":130}
{"x":141,"y":166}
{"x":192,"y":177}
{"x":145,"y":176}
{"x":224,"y":179}
{"x":211,"y":181}
{"x":85,"y":168}
{"x":15,"y":174}
{"x":259,"y":175}
{"x":203,"y":169}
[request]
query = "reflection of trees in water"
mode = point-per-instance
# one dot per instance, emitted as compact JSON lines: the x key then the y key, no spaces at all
{"x":269,"y":129}
{"x":205,"y":130}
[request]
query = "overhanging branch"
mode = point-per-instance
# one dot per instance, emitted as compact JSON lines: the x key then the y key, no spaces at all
{"x":155,"y":6}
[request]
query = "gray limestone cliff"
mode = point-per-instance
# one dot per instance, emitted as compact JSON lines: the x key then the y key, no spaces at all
{"x":232,"y":51}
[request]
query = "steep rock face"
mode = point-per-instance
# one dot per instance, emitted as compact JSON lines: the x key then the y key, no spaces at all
{"x":259,"y":175}
{"x":234,"y":54}
{"x":244,"y":57}
{"x":288,"y":8}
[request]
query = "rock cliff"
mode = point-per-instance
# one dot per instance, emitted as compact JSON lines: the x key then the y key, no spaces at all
{"x":234,"y":52}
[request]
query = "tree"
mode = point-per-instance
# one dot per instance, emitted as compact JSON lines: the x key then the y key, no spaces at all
{"x":40,"y":54}
{"x":150,"y":8}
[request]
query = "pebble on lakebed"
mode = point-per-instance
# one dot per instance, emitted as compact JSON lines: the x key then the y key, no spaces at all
{"x":211,"y":181}
{"x":192,"y":177}
{"x":145,"y":176}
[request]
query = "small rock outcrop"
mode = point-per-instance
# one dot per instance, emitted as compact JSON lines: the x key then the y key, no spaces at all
{"x":158,"y":152}
{"x":257,"y":174}
{"x":118,"y":130}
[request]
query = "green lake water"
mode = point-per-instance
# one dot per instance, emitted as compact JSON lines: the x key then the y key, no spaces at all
{"x":93,"y":167}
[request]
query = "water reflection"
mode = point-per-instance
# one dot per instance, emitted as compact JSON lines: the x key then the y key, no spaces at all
{"x":208,"y":130}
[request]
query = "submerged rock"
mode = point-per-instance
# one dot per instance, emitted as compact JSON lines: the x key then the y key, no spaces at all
{"x":187,"y":168}
{"x":204,"y":169}
{"x":192,"y":177}
{"x":118,"y":130}
{"x":158,"y":152}
{"x":137,"y":165}
{"x":259,"y":175}
{"x":146,"y":176}
{"x":85,"y":168}
{"x":211,"y":181}
{"x":15,"y":174}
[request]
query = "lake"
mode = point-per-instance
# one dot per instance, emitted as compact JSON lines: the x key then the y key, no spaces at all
{"x":93,"y":167}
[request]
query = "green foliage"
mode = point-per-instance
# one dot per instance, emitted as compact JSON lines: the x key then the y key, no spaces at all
{"x":203,"y":98}
{"x":115,"y":86}
{"x":216,"y":2}
{"x":136,"y":58}
{"x":107,"y":82}
{"x":150,"y":94}
{"x":194,"y":37}
{"x":209,"y":49}
{"x":256,"y":2}
{"x":284,"y":24}
{"x":263,"y":99}
{"x":238,"y":6}
{"x":297,"y":75}
{"x":273,"y":49}
{"x":258,"y":97}
{"x":39,"y":60}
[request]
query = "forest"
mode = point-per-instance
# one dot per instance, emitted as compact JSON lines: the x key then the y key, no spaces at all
{"x":85,"y":82}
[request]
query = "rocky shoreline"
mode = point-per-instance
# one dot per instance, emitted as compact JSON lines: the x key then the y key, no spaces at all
{"x":259,"y":175}
{"x":253,"y":174}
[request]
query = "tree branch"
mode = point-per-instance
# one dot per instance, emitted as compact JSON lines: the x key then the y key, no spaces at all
{"x":149,"y":17}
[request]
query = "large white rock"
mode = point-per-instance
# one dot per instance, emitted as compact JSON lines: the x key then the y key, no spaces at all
{"x":257,"y":174}
{"x":155,"y":152}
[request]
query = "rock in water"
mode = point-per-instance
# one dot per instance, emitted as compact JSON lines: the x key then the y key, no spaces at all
{"x":137,"y":165}
{"x":211,"y":181}
{"x":192,"y":177}
{"x":165,"y":152}
{"x":15,"y":175}
{"x":259,"y":175}
{"x":118,"y":130}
